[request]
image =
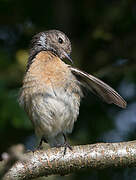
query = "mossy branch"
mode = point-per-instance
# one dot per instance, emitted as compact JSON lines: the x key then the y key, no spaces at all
{"x":53,"y":161}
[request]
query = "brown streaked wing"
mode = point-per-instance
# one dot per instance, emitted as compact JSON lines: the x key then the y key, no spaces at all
{"x":99,"y":88}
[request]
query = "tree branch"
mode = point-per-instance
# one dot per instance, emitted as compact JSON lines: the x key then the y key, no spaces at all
{"x":53,"y":161}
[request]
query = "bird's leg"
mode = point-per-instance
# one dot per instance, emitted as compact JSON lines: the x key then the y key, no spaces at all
{"x":39,"y":146}
{"x":42,"y":140}
{"x":66,"y":145}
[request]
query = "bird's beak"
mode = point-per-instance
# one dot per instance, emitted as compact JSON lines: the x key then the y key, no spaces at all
{"x":68,"y":57}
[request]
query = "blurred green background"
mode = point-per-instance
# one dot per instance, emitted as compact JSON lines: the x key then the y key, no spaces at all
{"x":103,"y":36}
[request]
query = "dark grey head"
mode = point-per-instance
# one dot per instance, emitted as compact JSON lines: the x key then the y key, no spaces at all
{"x":52,"y":40}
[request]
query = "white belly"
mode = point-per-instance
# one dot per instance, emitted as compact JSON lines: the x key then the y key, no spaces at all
{"x":55,"y":112}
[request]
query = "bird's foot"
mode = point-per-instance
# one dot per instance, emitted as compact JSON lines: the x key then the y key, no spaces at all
{"x":40,"y":144}
{"x":66,"y":145}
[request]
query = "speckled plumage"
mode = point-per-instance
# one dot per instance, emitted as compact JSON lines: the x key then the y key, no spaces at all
{"x":52,"y":90}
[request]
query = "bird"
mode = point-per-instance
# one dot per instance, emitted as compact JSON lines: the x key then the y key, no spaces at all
{"x":52,"y":89}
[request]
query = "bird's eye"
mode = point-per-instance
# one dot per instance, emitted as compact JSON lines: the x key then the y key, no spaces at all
{"x":60,"y":40}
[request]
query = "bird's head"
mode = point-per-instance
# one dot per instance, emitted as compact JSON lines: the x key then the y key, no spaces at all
{"x":53,"y":40}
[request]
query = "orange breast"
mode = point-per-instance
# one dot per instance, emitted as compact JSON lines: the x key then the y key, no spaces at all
{"x":46,"y":70}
